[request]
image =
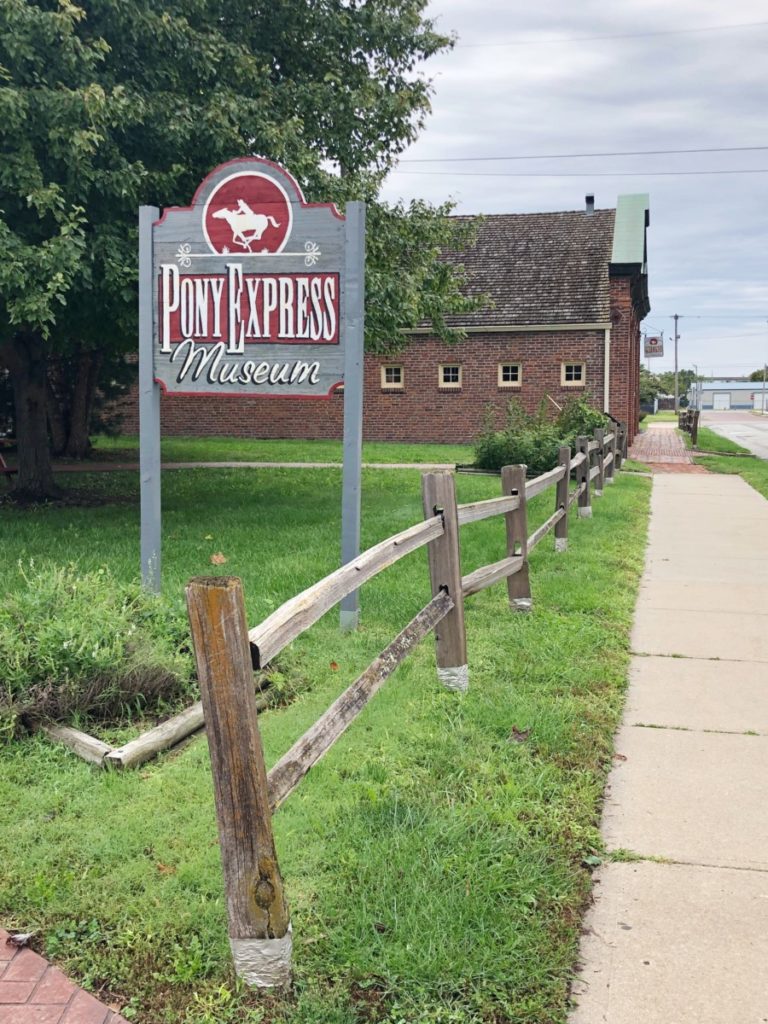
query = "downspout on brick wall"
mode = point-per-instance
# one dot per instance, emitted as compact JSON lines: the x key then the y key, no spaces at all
{"x":607,"y":371}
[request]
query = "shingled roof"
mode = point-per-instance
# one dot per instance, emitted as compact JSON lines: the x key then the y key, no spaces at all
{"x":539,"y":268}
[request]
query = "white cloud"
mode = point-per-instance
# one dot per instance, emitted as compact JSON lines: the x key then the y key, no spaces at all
{"x":707,"y":241}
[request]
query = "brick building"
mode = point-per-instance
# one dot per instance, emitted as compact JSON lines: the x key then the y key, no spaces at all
{"x":566,"y":293}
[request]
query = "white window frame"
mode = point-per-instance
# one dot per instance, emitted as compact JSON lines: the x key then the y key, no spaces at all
{"x":510,"y":383}
{"x":390,"y":385}
{"x":452,"y":385}
{"x":573,"y":383}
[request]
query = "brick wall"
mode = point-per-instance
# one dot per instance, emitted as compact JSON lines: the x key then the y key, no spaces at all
{"x":422,"y":410}
{"x":625,"y":355}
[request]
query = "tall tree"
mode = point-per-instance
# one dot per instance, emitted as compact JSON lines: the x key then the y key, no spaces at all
{"x":108,"y":105}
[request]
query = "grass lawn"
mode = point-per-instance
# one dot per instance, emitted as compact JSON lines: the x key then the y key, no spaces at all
{"x":664,"y":416}
{"x":710,"y":441}
{"x":226,"y":449}
{"x":754,"y":471}
{"x":436,"y":861}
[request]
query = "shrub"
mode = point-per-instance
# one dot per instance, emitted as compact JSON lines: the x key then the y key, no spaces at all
{"x":82,"y":643}
{"x":533,"y":440}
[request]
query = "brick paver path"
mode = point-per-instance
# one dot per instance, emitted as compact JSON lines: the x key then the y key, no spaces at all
{"x":662,"y":449}
{"x":34,"y":992}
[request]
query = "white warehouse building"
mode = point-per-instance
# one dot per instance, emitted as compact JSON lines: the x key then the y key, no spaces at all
{"x":728,"y":394}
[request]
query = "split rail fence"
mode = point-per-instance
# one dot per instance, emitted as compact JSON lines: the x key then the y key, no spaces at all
{"x":226,"y":651}
{"x":688,"y":420}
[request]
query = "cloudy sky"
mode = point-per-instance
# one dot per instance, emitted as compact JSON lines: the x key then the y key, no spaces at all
{"x":564,"y":78}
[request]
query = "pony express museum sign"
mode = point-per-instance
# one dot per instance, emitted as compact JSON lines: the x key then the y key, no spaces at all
{"x":250,"y":291}
{"x":249,"y":288}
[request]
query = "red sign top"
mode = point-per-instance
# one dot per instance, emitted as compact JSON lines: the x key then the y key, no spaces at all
{"x":247,"y":212}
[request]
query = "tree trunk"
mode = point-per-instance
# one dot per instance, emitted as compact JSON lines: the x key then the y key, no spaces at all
{"x":79,"y":441}
{"x":25,"y":357}
{"x":56,"y":422}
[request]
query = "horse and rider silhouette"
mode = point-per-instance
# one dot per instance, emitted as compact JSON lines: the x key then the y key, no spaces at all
{"x":246,"y":226}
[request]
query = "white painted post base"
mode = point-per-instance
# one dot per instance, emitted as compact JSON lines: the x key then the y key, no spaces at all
{"x":521,"y":604}
{"x":586,"y":512}
{"x":349,"y":621}
{"x":455,"y":679}
{"x":610,"y":480}
{"x":598,"y":493}
{"x":561,"y":543}
{"x":263,"y":963}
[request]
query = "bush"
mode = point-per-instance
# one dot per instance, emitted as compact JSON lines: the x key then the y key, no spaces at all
{"x":533,"y":440}
{"x":81,"y":643}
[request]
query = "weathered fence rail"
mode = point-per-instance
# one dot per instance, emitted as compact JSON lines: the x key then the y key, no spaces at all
{"x":227,"y":652}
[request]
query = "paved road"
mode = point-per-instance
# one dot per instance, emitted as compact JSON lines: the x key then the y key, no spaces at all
{"x":745,"y":428}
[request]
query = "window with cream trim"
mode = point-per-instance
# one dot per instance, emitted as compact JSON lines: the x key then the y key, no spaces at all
{"x":573,"y":375}
{"x":449,"y":375}
{"x":392,"y":378}
{"x":510,"y":375}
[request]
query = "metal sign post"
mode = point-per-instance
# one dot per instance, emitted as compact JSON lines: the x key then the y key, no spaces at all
{"x":353,"y":402}
{"x":149,"y":412}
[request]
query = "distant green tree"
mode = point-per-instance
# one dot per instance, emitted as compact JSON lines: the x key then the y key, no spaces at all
{"x":759,"y":375}
{"x":667,"y":381}
{"x":650,"y":386}
{"x":107,"y":105}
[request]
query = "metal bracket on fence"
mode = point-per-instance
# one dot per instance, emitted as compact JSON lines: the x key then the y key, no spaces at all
{"x":582,"y":478}
{"x":561,"y":499}
{"x":519,"y":584}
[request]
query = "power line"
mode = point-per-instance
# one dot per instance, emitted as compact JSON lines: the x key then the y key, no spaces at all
{"x":578,"y":174}
{"x":717,"y":316}
{"x":574,"y":156}
{"x":617,"y":35}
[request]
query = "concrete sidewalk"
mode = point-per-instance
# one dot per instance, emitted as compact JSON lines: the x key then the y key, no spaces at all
{"x":678,"y":933}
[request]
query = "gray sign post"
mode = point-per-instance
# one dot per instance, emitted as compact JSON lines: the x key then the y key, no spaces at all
{"x":353,"y":401}
{"x":149,"y":411}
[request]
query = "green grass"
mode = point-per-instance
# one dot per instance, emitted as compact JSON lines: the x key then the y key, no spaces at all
{"x":710,"y":441}
{"x":434,"y":866}
{"x":665,"y":416}
{"x":754,"y":471}
{"x":226,"y":449}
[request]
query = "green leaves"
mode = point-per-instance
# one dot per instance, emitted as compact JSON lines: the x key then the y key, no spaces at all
{"x":106,"y":106}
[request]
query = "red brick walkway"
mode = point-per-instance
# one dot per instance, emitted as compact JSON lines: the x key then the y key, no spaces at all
{"x":34,"y":992}
{"x":662,"y":449}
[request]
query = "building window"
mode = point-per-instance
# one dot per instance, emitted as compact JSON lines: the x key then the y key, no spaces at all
{"x":450,"y":375}
{"x":392,"y":378}
{"x":510,"y":375}
{"x":573,"y":375}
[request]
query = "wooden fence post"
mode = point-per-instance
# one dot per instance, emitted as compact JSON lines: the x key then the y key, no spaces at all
{"x":439,"y":496}
{"x":619,"y":446}
{"x":259,"y":925}
{"x":561,"y":499}
{"x":609,"y":476}
{"x":600,"y":478}
{"x":582,"y":478}
{"x":695,"y":427}
{"x":624,"y":440}
{"x":519,"y":584}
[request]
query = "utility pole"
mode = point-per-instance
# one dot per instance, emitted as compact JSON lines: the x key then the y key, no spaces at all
{"x":677,"y":390}
{"x":765,"y":370}
{"x":696,"y":387}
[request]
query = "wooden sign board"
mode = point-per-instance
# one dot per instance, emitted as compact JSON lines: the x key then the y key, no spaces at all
{"x":250,"y":291}
{"x":249,"y":288}
{"x":654,"y":346}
